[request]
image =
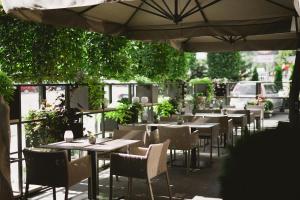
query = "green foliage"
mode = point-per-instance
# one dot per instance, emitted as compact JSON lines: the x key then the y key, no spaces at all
{"x":125,"y":112}
{"x":158,"y":61}
{"x":282,"y":57}
{"x":6,"y":87}
{"x":165,"y":109}
{"x":254,"y":75}
{"x":39,"y":53}
{"x":278,"y":77}
{"x":96,"y":93}
{"x":225,"y":65}
{"x":198,"y":68}
{"x":268,"y":105}
{"x":51,"y":123}
{"x":45,"y":131}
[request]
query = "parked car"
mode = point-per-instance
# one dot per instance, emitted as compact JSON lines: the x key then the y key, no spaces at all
{"x":245,"y":91}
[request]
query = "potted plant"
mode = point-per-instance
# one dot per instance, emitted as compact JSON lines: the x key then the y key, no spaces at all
{"x":268,"y":108}
{"x":165,"y":108}
{"x":126,"y":112}
{"x":203,"y":88}
{"x":51,"y":121}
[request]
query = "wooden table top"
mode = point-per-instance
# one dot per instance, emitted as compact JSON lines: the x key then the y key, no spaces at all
{"x":102,"y":144}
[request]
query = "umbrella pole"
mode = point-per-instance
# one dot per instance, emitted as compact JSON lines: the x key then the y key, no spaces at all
{"x":5,"y":183}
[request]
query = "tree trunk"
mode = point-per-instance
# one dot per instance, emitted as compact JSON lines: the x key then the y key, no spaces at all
{"x":294,"y":93}
{"x":5,"y":183}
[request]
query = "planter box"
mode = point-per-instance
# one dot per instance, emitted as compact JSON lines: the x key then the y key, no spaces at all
{"x":150,"y":91}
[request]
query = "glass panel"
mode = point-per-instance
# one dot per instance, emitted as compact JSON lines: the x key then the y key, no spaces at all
{"x":244,"y":89}
{"x":270,"y":89}
{"x":119,"y":92}
{"x":29,"y":99}
{"x":14,"y":138}
{"x":15,"y":177}
{"x":52,"y":92}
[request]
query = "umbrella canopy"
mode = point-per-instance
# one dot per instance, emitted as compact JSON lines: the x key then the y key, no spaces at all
{"x":276,"y":41}
{"x":161,"y":19}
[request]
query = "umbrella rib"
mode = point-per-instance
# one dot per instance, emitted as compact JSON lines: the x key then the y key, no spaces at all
{"x":210,"y":4}
{"x":87,"y":9}
{"x":159,"y":7}
{"x":152,"y":6}
{"x":280,"y":5}
{"x":201,"y":11}
{"x":142,"y":9}
{"x":190,"y":12}
{"x":166,"y":5}
{"x":133,"y":14}
{"x":185,"y":7}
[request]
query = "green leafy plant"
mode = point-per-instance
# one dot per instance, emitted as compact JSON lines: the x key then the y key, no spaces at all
{"x":6,"y":87}
{"x":125,"y":112}
{"x":268,"y":105}
{"x":50,"y":123}
{"x":165,"y":109}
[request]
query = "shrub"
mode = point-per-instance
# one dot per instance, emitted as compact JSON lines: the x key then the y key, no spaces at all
{"x":268,"y":105}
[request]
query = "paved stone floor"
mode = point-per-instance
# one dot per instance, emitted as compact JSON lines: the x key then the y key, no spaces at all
{"x":200,"y":184}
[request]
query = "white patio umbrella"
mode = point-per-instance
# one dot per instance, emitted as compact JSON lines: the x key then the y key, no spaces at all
{"x":276,"y":41}
{"x":161,"y":19}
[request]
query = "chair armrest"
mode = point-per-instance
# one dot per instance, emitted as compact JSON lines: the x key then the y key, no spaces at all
{"x":140,"y":151}
{"x":128,"y":165}
{"x":79,"y":170}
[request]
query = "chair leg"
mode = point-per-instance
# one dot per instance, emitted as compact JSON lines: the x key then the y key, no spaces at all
{"x":110,"y":186}
{"x":198,"y":156}
{"x":218,"y":145}
{"x":129,"y":187}
{"x":117,"y":178}
{"x":150,"y":189}
{"x":66,"y":193}
{"x":171,"y":157}
{"x":54,"y":193}
{"x":169,"y":186}
{"x":188,"y":163}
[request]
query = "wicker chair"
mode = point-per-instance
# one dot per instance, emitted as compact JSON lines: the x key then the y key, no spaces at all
{"x":180,"y":138}
{"x":52,"y":168}
{"x":143,"y":163}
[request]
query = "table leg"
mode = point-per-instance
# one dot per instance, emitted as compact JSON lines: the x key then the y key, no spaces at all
{"x":93,"y":181}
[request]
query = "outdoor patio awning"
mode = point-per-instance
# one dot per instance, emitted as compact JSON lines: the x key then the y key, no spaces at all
{"x":161,"y":19}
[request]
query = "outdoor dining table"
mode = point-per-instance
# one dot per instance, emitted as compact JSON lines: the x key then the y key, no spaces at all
{"x":102,"y":145}
{"x":238,"y":119}
{"x":212,"y":128}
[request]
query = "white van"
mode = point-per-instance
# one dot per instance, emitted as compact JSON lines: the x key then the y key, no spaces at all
{"x":245,"y":91}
